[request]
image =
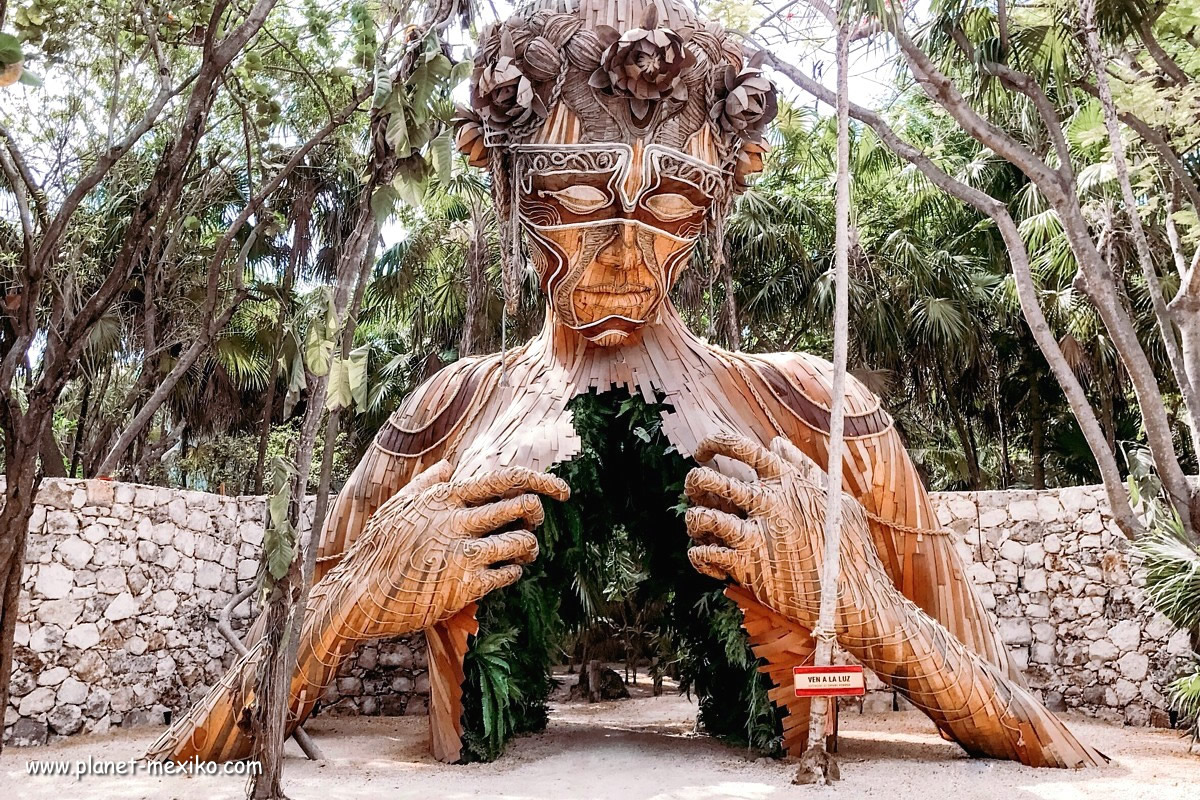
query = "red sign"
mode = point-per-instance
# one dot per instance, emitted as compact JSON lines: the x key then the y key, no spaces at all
{"x":835,"y":681}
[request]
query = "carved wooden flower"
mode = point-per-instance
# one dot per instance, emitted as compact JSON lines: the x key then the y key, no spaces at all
{"x":748,"y":104}
{"x":514,"y":91}
{"x":469,"y":136}
{"x":645,"y":65}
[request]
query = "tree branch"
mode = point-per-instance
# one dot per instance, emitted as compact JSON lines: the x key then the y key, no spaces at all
{"x":1118,"y":495}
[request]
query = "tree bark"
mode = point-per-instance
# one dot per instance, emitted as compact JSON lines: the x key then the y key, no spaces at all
{"x":1158,"y":301}
{"x":301,"y":240}
{"x":830,"y":566}
{"x":20,"y":489}
{"x":80,"y":425}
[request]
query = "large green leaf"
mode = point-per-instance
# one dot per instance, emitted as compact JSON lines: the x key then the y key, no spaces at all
{"x":318,"y":347}
{"x":356,"y":367}
{"x":442,"y":152}
{"x":339,"y":395}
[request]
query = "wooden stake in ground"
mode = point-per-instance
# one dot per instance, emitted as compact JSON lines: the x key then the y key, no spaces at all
{"x":817,"y":765}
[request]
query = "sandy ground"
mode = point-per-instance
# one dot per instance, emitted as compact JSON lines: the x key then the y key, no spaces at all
{"x":639,"y":749}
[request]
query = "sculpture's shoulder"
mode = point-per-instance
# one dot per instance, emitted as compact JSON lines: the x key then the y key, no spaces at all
{"x":804,"y":384}
{"x":439,"y":407}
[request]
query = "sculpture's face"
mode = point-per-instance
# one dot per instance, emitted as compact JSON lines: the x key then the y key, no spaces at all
{"x":610,"y":228}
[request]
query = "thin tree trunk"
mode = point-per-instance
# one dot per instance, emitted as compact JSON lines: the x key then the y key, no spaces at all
{"x":1037,"y":436}
{"x":1191,"y":397}
{"x":962,"y":426}
{"x":817,"y":767}
{"x":1114,"y":485}
{"x":301,"y":240}
{"x":53,"y":463}
{"x":80,"y":425}
{"x":20,"y":463}
{"x":288,"y":598}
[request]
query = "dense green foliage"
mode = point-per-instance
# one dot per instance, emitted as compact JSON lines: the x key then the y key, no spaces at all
{"x":618,"y":542}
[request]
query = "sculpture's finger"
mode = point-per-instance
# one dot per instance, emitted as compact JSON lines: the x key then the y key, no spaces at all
{"x":793,"y":455}
{"x":520,"y":547}
{"x":482,"y":582}
{"x":438,"y":473}
{"x":765,"y":464}
{"x":508,"y":482}
{"x":715,"y":562}
{"x":707,"y":525}
{"x":703,"y":480}
{"x":479,"y":520}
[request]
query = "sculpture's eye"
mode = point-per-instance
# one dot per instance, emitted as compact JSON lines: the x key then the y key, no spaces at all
{"x":671,"y":207}
{"x":581,"y":199}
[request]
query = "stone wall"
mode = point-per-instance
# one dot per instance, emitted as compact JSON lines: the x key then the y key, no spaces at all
{"x":1066,"y":589}
{"x":123,"y":585}
{"x":122,"y":588}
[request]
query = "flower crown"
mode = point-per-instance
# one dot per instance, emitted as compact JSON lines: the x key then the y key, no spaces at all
{"x":652,"y":82}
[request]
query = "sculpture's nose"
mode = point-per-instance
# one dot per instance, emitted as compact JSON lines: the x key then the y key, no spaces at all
{"x":621,"y":252}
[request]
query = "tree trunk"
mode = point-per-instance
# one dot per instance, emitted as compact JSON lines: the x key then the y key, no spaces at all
{"x":1037,"y":435}
{"x":301,"y":241}
{"x":273,"y":680}
{"x":817,"y":766}
{"x":80,"y":425}
{"x":53,"y":463}
{"x":20,"y":491}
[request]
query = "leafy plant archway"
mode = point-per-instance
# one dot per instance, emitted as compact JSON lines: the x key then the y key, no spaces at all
{"x":619,"y":543}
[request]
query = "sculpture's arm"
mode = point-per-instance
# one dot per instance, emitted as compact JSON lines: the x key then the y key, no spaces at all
{"x":424,"y":556}
{"x":919,"y":558}
{"x":767,"y":536}
{"x":423,"y":430}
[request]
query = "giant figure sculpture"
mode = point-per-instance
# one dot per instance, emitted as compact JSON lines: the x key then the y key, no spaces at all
{"x":617,"y":132}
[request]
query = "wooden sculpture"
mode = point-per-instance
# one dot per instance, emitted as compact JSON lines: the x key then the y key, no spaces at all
{"x":617,"y":133}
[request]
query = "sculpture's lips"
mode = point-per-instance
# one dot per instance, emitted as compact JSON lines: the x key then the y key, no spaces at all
{"x":615,"y":288}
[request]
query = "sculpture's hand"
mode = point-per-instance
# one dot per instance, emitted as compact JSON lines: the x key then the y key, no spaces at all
{"x":759,"y":534}
{"x":427,"y":553}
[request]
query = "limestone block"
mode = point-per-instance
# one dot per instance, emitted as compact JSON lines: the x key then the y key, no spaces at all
{"x":208,"y":575}
{"x":75,"y":552}
{"x":61,"y":523}
{"x":1103,"y":651}
{"x":177,"y":511}
{"x":993,"y":518}
{"x":46,"y":639}
{"x":1020,"y":510}
{"x":29,"y":733}
{"x":123,"y":606}
{"x":39,"y":701}
{"x":980,"y":575}
{"x":54,"y":581}
{"x":166,"y":601}
{"x":83,"y":636}
{"x":1034,"y":580}
{"x":1012,"y":551}
{"x":72,"y":692}
{"x":1126,"y":634}
{"x":1015,"y":631}
{"x":111,"y":580}
{"x":53,"y":676}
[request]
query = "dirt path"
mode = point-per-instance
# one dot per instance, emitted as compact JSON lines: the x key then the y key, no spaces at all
{"x":640,"y":749}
